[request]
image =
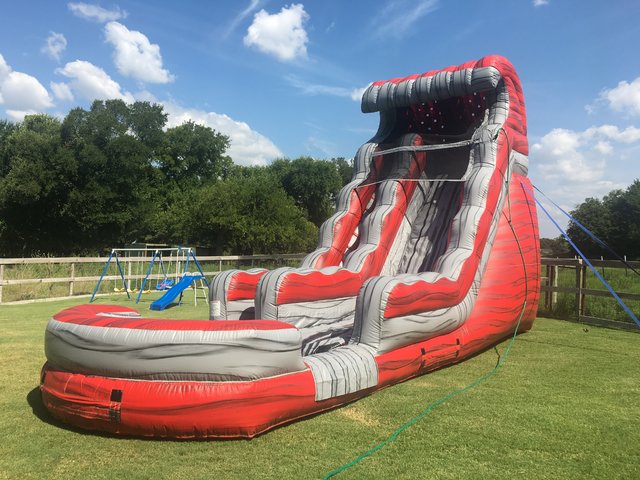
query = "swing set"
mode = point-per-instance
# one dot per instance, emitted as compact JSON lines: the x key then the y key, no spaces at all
{"x":165,"y":267}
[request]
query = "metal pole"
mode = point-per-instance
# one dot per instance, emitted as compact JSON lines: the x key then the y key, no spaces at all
{"x":104,"y":270}
{"x":124,"y":280}
{"x":199,"y":268}
{"x":146,"y":276}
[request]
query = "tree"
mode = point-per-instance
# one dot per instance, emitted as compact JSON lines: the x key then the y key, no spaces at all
{"x":313,"y":184}
{"x":111,"y":200}
{"x":111,"y":174}
{"x":106,"y":121}
{"x":344,"y":168}
{"x":615,"y":220}
{"x":248,"y":216}
{"x":625,"y":220}
{"x":6,"y":129}
{"x":555,"y":247}
{"x":115,"y":146}
{"x":594,"y":214}
{"x":85,"y":183}
{"x":146,"y":122}
{"x":34,"y":188}
{"x":194,"y":154}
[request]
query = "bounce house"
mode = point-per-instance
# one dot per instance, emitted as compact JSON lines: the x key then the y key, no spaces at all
{"x":431,"y":257}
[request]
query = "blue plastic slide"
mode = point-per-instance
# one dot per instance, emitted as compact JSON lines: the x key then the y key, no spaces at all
{"x":165,"y":300}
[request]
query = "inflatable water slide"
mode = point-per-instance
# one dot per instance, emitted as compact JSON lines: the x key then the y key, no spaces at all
{"x":432,"y":256}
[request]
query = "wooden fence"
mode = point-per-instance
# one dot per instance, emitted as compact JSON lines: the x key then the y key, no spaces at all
{"x":554,"y":269}
{"x":555,"y":274}
{"x":133,"y":267}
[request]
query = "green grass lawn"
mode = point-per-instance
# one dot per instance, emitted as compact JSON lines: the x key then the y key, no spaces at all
{"x":565,"y":404}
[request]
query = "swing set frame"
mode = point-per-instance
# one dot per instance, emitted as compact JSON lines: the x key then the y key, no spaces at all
{"x":184,"y":255}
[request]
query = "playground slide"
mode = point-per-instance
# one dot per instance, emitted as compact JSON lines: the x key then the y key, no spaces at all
{"x":165,"y":300}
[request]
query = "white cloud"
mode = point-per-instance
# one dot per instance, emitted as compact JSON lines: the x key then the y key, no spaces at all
{"x":253,"y":5}
{"x":21,"y":93}
{"x":314,"y":144}
{"x":563,"y":156}
{"x":397,"y":18}
{"x":54,"y":45}
{"x":611,"y":132}
{"x":356,"y":93}
{"x":571,"y":166}
{"x":91,"y":82}
{"x":18,"y":115}
{"x":62,"y":91}
{"x":624,"y":98}
{"x":580,"y":157}
{"x":603,"y":147}
{"x":135,"y":56}
{"x":318,"y":89}
{"x":281,"y":34}
{"x":539,"y":3}
{"x":95,"y":12}
{"x":248,"y":147}
{"x":4,"y":68}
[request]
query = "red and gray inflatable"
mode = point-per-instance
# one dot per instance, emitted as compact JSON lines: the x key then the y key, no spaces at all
{"x":431,"y":256}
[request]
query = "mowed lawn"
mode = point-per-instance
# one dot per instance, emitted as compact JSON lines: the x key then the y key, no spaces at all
{"x":565,"y":404}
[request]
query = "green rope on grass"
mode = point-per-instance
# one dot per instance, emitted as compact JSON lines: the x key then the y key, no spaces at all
{"x":427,"y":410}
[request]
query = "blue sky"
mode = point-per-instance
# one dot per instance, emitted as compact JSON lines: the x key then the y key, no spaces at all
{"x":283,"y":79}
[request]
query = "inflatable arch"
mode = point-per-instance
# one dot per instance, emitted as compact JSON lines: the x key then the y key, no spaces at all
{"x":432,"y":255}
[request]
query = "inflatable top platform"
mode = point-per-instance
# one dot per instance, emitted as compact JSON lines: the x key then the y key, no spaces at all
{"x":431,"y":256}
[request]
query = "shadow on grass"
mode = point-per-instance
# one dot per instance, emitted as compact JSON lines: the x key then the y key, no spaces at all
{"x":34,"y":399}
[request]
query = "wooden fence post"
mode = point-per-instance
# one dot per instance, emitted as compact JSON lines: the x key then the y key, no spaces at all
{"x":579,"y":287}
{"x":1,"y":279}
{"x":72,"y":278}
{"x":547,"y":293}
{"x":554,"y":295}
{"x":583,"y":305}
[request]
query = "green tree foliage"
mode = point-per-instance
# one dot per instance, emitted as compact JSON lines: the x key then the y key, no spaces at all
{"x":312,"y":183}
{"x":194,"y":154}
{"x":80,"y":184}
{"x":555,"y":247}
{"x":248,"y":216}
{"x":615,"y":219}
{"x":625,"y":220}
{"x":6,"y":129}
{"x":34,"y":187}
{"x":345,"y":169}
{"x":114,"y":173}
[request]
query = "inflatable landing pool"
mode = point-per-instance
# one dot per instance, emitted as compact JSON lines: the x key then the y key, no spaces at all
{"x":432,"y":256}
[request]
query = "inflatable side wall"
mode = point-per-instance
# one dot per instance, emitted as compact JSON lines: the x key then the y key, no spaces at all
{"x":432,"y":256}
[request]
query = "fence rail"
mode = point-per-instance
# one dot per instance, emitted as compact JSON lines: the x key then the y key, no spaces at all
{"x":212,"y":265}
{"x":49,"y":278}
{"x":555,"y":270}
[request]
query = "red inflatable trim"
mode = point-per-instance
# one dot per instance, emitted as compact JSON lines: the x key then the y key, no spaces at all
{"x":243,"y":285}
{"x":90,"y":315}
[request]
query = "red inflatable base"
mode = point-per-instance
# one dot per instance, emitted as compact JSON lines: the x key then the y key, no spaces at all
{"x":225,"y":409}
